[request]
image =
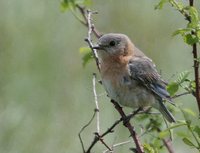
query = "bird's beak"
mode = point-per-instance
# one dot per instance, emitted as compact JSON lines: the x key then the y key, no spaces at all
{"x":98,"y":47}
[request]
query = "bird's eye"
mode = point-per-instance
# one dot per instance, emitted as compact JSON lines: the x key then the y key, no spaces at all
{"x":112,"y":43}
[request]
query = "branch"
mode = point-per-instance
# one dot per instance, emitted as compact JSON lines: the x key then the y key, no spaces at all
{"x":109,"y":130}
{"x":83,"y":12}
{"x":83,"y":128}
{"x":175,"y":4}
{"x":182,"y":94}
{"x":89,"y":40}
{"x":196,"y":66}
{"x":96,"y":102}
{"x":117,"y":145}
{"x":131,"y":129}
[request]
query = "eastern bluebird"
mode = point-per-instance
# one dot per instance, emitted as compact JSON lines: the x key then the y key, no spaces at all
{"x":129,"y":76}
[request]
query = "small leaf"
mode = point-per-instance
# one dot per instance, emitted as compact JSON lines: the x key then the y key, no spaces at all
{"x":164,"y":134}
{"x":160,"y":4}
{"x":182,"y":134}
{"x":186,"y":117}
{"x":194,"y":17}
{"x":182,"y":31}
{"x":87,"y":55}
{"x":67,"y":4}
{"x":188,"y":142}
{"x":64,"y":6}
{"x":190,"y":39}
{"x":189,"y":112}
{"x":172,"y":88}
{"x":87,"y":2}
{"x":175,"y":126}
{"x":182,"y":77}
{"x":197,"y":130}
{"x":148,"y":148}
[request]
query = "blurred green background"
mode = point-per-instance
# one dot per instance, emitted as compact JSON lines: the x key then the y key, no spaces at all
{"x":45,"y":93}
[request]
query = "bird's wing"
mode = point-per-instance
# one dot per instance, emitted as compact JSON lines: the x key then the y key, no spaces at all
{"x":143,"y":70}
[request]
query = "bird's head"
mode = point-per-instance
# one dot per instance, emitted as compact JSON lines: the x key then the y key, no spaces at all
{"x":113,"y":44}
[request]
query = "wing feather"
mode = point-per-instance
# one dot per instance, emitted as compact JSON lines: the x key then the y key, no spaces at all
{"x":143,"y":70}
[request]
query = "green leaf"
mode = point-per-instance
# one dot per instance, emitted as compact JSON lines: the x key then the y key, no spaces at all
{"x":164,"y":134}
{"x":190,"y":39}
{"x":160,"y":4}
{"x":182,"y":134}
{"x":148,"y":148}
{"x":173,"y":127}
{"x":186,"y":117}
{"x":182,"y":32}
{"x":68,"y":4}
{"x":87,"y":2}
{"x":198,"y":33}
{"x":194,"y":18}
{"x":182,"y":77}
{"x":64,"y":6}
{"x":87,"y":55}
{"x":197,"y":130}
{"x":189,"y":112}
{"x":188,"y":142}
{"x":172,"y":88}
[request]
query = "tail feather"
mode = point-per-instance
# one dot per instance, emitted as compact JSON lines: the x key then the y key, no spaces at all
{"x":165,"y":112}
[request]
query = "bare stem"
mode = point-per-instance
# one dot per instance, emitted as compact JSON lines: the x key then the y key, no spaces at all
{"x":82,"y":129}
{"x":89,"y":39}
{"x":96,"y":102}
{"x":85,"y":23}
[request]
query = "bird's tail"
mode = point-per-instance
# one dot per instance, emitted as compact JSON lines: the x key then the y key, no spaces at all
{"x":164,"y":111}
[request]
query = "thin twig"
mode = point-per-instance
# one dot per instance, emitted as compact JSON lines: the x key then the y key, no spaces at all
{"x":109,"y":130}
{"x":103,"y":142}
{"x":89,"y":40}
{"x":83,"y":128}
{"x":182,"y":94}
{"x":117,"y":145}
{"x":83,"y":12}
{"x":96,"y":102}
{"x":175,"y":4}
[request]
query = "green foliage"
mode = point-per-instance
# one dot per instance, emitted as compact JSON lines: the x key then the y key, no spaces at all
{"x":190,"y":34}
{"x":188,"y":142}
{"x":173,"y":87}
{"x":87,"y":55}
{"x":160,"y":4}
{"x":166,"y":132}
{"x":149,"y":149}
{"x":71,"y":4}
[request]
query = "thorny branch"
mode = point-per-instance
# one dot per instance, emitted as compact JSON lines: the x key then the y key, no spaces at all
{"x":109,"y":130}
{"x":139,"y":147}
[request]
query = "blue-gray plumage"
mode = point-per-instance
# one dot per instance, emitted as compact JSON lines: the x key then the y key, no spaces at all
{"x":129,"y":76}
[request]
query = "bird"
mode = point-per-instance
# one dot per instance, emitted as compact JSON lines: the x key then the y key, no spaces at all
{"x":129,"y":76}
